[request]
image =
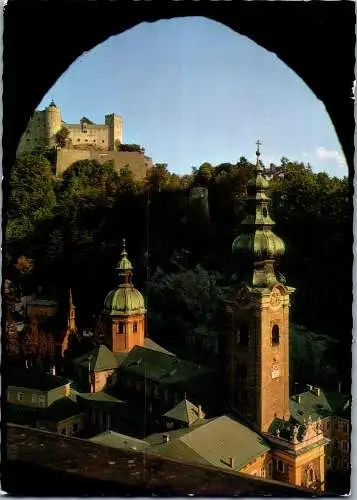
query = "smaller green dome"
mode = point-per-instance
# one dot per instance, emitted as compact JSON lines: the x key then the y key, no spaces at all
{"x":258,"y":182}
{"x":52,"y":104}
{"x":124,"y":300}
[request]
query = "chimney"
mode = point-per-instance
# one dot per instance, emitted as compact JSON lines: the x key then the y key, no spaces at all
{"x":165,"y":438}
{"x":231,"y":462}
{"x":201,"y":415}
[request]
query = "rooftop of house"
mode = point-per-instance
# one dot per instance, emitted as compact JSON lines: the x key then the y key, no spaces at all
{"x":160,"y":367}
{"x":317,"y":403}
{"x":185,"y":412}
{"x":215,"y":442}
{"x":120,"y":441}
{"x":60,"y":410}
{"x":31,"y":378}
{"x":100,"y":359}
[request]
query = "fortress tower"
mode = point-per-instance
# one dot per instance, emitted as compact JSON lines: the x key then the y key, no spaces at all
{"x":53,"y":123}
{"x":115,"y":130}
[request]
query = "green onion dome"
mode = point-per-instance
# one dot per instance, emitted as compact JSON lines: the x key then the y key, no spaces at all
{"x":125,"y":299}
{"x":262,"y":244}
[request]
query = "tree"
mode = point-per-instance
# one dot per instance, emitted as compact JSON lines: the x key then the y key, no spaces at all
{"x":131,"y":148}
{"x":32,"y":196}
{"x":61,"y":137}
{"x":12,"y":341}
{"x":86,"y":120}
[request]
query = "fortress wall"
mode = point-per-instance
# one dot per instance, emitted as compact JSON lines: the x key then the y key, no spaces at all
{"x":97,"y":135}
{"x":137,"y":162}
{"x":35,"y":133}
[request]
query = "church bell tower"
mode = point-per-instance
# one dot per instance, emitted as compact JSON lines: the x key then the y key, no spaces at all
{"x":259,"y":342}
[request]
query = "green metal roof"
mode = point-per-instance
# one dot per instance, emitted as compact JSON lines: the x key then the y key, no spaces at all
{"x":120,"y":441}
{"x":257,"y":242}
{"x":262,"y":244}
{"x":100,"y":359}
{"x":124,"y":300}
{"x":161,"y":367}
{"x":33,"y":379}
{"x":318,"y":406}
{"x":184,"y":411}
{"x":213,"y":442}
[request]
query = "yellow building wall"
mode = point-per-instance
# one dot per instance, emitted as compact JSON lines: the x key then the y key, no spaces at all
{"x":258,"y":467}
{"x":67,"y":427}
{"x":27,"y":397}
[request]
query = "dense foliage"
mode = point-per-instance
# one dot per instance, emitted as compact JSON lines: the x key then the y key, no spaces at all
{"x":71,"y":230}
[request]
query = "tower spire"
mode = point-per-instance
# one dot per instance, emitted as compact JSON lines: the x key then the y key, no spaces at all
{"x":124,"y":267}
{"x":72,"y":312}
{"x":257,"y":245}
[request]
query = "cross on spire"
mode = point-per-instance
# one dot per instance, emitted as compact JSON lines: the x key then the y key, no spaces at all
{"x":258,"y":143}
{"x":124,"y":250}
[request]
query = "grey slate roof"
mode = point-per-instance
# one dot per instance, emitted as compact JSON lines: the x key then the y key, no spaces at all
{"x":322,"y":405}
{"x":214,"y":442}
{"x":57,"y":412}
{"x":184,"y":411}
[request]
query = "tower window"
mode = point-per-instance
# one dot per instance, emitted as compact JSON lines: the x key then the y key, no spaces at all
{"x":265,"y":212}
{"x":243,"y":335}
{"x":135,"y":327}
{"x":280,"y":466}
{"x":275,"y":335}
{"x":121,"y":328}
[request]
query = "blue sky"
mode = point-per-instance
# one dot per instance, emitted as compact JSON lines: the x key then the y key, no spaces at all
{"x":191,"y":90}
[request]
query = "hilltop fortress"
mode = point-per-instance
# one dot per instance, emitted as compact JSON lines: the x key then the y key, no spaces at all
{"x":85,"y":141}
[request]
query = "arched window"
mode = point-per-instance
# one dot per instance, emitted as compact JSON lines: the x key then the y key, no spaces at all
{"x":265,"y":212}
{"x":243,"y":335}
{"x":121,"y":328}
{"x":311,"y":475}
{"x":275,"y":335}
{"x":135,"y":327}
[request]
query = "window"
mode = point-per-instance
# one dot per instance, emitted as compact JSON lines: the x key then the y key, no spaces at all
{"x":280,"y":466}
{"x":243,"y":335}
{"x":34,"y":398}
{"x":334,"y":461}
{"x":75,"y":427}
{"x":270,"y":468}
{"x":63,"y":431}
{"x":262,"y":472}
{"x":102,"y":141}
{"x":328,"y":424}
{"x":344,"y":446}
{"x":20,"y":396}
{"x":345,"y":464}
{"x":344,"y":427}
{"x":328,"y":461}
{"x":335,"y":443}
{"x":265,"y":212}
{"x":275,"y":335}
{"x":135,"y":327}
{"x":121,"y":328}
{"x":41,"y":400}
{"x":311,"y":475}
{"x":78,"y":140}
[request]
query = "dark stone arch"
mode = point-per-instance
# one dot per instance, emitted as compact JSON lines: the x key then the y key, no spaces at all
{"x":42,"y":38}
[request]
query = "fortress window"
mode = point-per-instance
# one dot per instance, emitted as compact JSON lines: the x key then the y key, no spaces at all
{"x":275,"y":335}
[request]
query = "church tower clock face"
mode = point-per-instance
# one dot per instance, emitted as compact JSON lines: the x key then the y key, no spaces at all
{"x":243,"y":297}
